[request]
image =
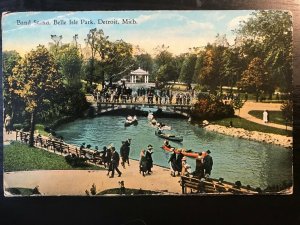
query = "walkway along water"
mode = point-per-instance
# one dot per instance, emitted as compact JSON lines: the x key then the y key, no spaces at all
{"x":69,"y":180}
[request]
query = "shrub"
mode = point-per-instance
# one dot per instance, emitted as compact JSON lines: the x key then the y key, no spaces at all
{"x":211,"y":109}
{"x":75,"y":161}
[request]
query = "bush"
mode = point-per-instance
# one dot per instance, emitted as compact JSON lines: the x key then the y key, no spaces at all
{"x":211,"y":109}
{"x":75,"y":161}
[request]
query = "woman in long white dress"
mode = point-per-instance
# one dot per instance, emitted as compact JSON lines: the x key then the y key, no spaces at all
{"x":265,"y":116}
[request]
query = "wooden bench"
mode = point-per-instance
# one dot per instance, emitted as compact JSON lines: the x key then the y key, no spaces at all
{"x":192,"y":183}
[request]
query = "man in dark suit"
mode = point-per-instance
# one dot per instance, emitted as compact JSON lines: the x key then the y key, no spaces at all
{"x":207,"y":164}
{"x":115,"y":158}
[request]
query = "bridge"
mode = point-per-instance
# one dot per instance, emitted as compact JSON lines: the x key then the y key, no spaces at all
{"x":104,"y":107}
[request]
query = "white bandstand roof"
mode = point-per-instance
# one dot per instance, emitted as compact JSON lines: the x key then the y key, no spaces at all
{"x":140,"y":72}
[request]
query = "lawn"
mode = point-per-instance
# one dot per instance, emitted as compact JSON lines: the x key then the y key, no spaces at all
{"x":251,"y":126}
{"x":21,"y":157}
{"x":274,"y":116}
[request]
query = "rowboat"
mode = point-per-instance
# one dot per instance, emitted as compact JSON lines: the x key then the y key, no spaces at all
{"x":170,"y":137}
{"x":130,"y":122}
{"x":185,"y":152}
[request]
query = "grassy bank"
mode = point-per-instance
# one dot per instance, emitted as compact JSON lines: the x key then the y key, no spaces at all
{"x":239,"y":122}
{"x":274,"y":116}
{"x":20,"y":157}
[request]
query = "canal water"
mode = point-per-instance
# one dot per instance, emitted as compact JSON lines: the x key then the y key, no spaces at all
{"x":253,"y":163}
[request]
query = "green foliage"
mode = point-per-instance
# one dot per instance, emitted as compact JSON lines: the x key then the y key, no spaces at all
{"x":268,"y":35}
{"x":20,"y":157}
{"x":35,"y":78}
{"x":210,"y":107}
{"x":13,"y":104}
{"x":75,"y":161}
{"x":188,"y":69}
{"x":70,"y":62}
{"x":255,"y":78}
{"x":251,"y":126}
{"x":165,"y":68}
{"x":287,"y":110}
{"x":274,"y":116}
{"x":211,"y":66}
{"x":144,"y":61}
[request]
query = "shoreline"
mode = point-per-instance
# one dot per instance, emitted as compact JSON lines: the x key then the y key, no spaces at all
{"x":275,"y":139}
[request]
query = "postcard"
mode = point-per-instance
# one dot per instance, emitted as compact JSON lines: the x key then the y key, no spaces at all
{"x":118,"y":103}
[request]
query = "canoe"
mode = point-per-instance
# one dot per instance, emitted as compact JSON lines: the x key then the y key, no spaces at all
{"x":170,"y":137}
{"x":183,"y":151}
{"x":132,"y":122}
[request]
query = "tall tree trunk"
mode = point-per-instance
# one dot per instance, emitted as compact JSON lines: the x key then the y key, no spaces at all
{"x":32,"y":126}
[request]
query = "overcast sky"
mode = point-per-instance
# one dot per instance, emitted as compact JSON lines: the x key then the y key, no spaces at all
{"x":179,"y":30}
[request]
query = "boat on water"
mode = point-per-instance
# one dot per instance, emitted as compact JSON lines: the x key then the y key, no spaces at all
{"x":130,"y":121}
{"x":188,"y":153}
{"x":170,"y":137}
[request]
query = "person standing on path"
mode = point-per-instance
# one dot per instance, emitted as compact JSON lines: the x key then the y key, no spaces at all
{"x":149,"y":159}
{"x":265,"y":116}
{"x":143,"y":162}
{"x":7,"y":124}
{"x":199,"y":171}
{"x":172,"y":162}
{"x":115,"y":158}
{"x":127,"y":150}
{"x":207,"y":164}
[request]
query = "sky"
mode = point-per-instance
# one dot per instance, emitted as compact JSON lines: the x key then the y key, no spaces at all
{"x":180,"y":30}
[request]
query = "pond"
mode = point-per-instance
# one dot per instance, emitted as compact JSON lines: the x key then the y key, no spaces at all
{"x":253,"y":163}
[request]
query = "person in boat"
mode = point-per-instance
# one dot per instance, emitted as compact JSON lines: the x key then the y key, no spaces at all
{"x":199,"y":171}
{"x":143,"y":162}
{"x":149,"y":159}
{"x":207,"y":164}
{"x":129,"y":118}
{"x":166,"y":143}
{"x":173,"y":163}
{"x":153,"y":121}
{"x":179,"y":161}
{"x":159,"y":131}
{"x":186,"y":168}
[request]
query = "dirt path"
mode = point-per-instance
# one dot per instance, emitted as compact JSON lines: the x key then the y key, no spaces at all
{"x":248,"y":106}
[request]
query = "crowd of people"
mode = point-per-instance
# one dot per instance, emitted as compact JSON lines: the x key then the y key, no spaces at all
{"x":120,"y":93}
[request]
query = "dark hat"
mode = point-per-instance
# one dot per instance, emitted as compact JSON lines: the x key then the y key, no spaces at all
{"x":150,"y":146}
{"x":208,"y":152}
{"x":104,"y":148}
{"x":83,"y":143}
{"x":113,"y":148}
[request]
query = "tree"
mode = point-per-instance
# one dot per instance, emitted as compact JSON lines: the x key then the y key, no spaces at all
{"x":144,"y":61}
{"x":268,"y":35}
{"x":255,"y":78}
{"x":188,"y":69}
{"x":118,"y":61}
{"x":11,"y":100}
{"x":70,"y":64}
{"x":36,"y":79}
{"x":164,"y":66}
{"x":287,"y":110}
